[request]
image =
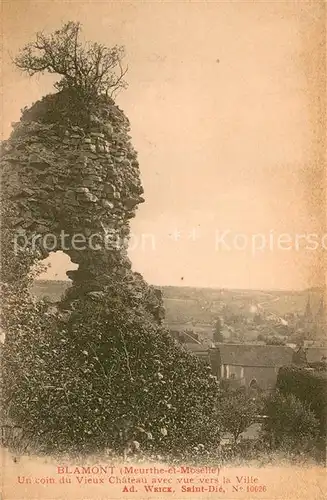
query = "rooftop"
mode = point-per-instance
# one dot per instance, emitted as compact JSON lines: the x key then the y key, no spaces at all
{"x":254,"y":355}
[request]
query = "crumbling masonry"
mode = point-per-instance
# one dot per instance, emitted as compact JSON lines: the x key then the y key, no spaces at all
{"x":74,"y":172}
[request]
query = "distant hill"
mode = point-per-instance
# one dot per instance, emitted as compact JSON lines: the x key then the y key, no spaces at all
{"x":201,"y":306}
{"x":51,"y":289}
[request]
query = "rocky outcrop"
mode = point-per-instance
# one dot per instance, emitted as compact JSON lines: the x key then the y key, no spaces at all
{"x":71,"y":179}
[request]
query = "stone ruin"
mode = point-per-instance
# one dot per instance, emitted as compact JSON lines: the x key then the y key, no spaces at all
{"x":71,"y":179}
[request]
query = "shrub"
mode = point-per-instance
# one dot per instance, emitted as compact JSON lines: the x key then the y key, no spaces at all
{"x":291,"y":423}
{"x":106,"y":376}
{"x":307,"y":385}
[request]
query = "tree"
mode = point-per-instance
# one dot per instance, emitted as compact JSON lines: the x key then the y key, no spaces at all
{"x":217,"y":333}
{"x":90,"y":68}
{"x":290,"y":421}
{"x":236,"y":413}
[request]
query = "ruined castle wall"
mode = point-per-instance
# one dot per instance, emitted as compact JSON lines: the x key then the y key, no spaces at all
{"x":67,"y":172}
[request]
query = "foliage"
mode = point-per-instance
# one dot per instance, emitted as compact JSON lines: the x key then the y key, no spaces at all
{"x":23,"y":320}
{"x":307,"y":385}
{"x":90,"y":69}
{"x":104,"y":377}
{"x":236,"y":412}
{"x":244,"y":450}
{"x":17,"y":270}
{"x":290,"y":422}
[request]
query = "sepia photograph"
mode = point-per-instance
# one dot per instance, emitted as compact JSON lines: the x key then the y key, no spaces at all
{"x":163,"y":250}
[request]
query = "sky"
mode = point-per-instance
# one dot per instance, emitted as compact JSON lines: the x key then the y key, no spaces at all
{"x":226,"y":102}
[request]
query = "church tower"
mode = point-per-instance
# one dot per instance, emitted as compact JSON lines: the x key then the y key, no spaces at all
{"x":320,"y":319}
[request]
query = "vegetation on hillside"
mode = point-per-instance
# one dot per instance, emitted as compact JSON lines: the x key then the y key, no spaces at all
{"x":291,"y":424}
{"x":98,"y":371}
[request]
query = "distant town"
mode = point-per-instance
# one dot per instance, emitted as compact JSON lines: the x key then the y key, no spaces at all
{"x":245,"y":335}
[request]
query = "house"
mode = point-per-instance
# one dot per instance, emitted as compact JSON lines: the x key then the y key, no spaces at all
{"x":249,"y":365}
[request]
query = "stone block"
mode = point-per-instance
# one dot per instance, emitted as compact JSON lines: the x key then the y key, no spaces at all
{"x":108,"y":128}
{"x":88,"y":197}
{"x":97,"y":134}
{"x":109,"y":188}
{"x":130,"y":203}
{"x":70,"y":195}
{"x":43,"y":194}
{"x":90,"y":154}
{"x":96,"y":295}
{"x":28,"y":222}
{"x":125,"y":162}
{"x":27,"y":191}
{"x":90,"y":147}
{"x":107,"y":204}
{"x":40,"y":229}
{"x":16,"y":221}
